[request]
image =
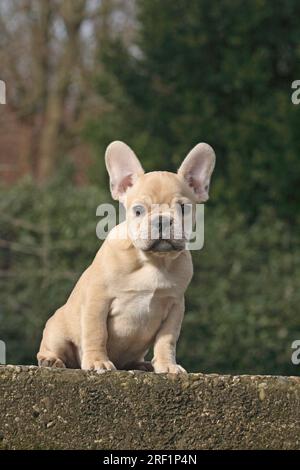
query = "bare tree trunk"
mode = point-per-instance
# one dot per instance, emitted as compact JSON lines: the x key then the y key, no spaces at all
{"x":48,"y":65}
{"x":73,"y":15}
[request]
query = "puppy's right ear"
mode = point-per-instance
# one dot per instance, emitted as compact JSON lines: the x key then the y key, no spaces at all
{"x":123,"y":168}
{"x":196,"y":169}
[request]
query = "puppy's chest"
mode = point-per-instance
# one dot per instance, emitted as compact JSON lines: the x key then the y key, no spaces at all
{"x":143,"y":298}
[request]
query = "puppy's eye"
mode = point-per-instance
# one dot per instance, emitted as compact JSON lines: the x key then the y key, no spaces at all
{"x":138,"y":210}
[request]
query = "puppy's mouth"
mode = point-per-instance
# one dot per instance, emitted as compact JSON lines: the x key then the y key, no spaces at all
{"x":162,"y":245}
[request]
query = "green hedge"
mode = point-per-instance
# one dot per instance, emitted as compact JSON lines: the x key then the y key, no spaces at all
{"x":242,"y":305}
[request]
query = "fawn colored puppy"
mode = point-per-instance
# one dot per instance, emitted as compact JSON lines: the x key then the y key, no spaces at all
{"x":132,"y":295}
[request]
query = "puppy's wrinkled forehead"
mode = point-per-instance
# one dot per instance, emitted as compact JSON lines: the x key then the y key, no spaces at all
{"x":158,"y":187}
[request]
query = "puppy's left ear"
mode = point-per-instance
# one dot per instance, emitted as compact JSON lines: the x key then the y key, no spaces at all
{"x":123,"y":168}
{"x":197,"y":168}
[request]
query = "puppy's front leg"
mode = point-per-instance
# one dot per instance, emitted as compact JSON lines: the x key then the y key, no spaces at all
{"x":164,"y":359}
{"x":94,"y":334}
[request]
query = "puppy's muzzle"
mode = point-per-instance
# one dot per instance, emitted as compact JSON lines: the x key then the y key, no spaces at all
{"x":163,"y":226}
{"x":162,"y":234}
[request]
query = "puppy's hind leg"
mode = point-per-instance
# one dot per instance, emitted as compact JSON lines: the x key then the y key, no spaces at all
{"x":54,"y":347}
{"x":49,"y":359}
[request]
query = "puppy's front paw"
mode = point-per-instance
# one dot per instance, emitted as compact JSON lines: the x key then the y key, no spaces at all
{"x":97,"y":364}
{"x":164,"y":367}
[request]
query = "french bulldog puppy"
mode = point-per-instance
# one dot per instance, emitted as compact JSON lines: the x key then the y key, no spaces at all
{"x":132,"y":296}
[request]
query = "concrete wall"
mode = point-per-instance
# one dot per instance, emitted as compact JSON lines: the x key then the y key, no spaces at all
{"x":71,"y":409}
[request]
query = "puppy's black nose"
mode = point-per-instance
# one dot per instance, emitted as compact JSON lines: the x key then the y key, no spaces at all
{"x":163,"y":222}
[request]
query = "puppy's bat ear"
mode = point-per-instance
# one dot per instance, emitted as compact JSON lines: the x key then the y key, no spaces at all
{"x":197,"y":168}
{"x":123,"y":168}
